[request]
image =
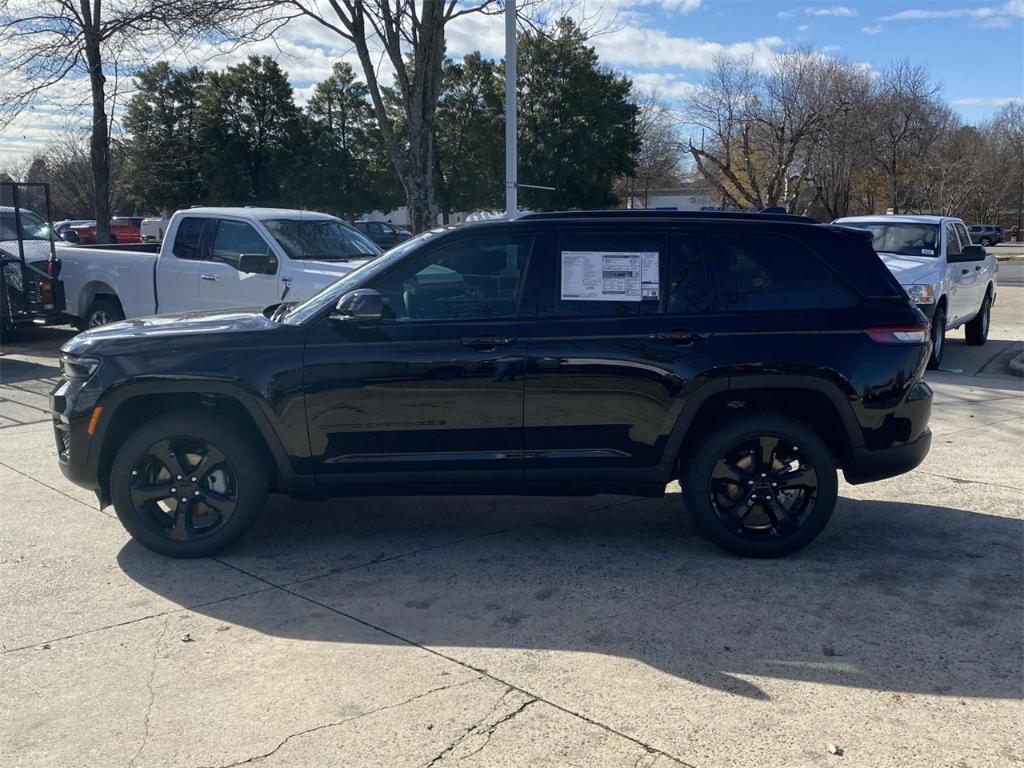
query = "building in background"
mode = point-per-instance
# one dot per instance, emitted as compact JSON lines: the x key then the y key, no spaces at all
{"x":691,"y":198}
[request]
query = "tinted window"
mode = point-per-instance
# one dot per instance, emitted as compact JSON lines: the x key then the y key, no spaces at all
{"x":952,"y":243}
{"x":322,"y":239}
{"x":687,"y":290}
{"x":477,"y":278}
{"x":902,"y":239}
{"x":965,"y":239}
{"x":186,"y":240}
{"x":234,"y":238}
{"x":617,"y":251}
{"x":768,"y":272}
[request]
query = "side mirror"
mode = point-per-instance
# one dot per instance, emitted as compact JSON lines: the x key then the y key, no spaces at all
{"x":258,"y":263}
{"x":969,"y":253}
{"x":361,"y":304}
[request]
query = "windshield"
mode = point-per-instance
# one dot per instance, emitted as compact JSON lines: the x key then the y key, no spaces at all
{"x":329,"y":296}
{"x":32,"y":227}
{"x":903,"y":239}
{"x":321,"y":239}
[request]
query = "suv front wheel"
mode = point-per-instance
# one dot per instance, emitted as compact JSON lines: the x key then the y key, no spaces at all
{"x":186,"y":485}
{"x":761,"y":485}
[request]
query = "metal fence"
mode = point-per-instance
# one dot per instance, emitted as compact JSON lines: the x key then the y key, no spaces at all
{"x":29,"y":291}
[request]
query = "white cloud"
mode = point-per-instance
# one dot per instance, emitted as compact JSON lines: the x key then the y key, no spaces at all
{"x":803,"y":28}
{"x":1008,"y":10}
{"x":872,"y":30}
{"x":665,"y":84}
{"x":635,"y":47}
{"x":834,"y":10}
{"x":786,"y":14}
{"x":987,"y":101}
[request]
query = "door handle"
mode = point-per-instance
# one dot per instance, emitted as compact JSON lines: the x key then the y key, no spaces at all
{"x":214,"y":278}
{"x":965,"y":271}
{"x":978,"y":269}
{"x":680,"y":337}
{"x":487,"y":342}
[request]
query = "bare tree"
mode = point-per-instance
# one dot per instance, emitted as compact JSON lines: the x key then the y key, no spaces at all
{"x":44,"y":42}
{"x":1007,"y":130}
{"x":761,"y":130}
{"x":411,"y":36}
{"x":659,"y":160}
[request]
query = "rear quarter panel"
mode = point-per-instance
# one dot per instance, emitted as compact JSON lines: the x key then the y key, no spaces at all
{"x":127,"y":274}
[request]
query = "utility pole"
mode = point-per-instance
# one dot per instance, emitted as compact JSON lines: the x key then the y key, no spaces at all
{"x":511,"y":150}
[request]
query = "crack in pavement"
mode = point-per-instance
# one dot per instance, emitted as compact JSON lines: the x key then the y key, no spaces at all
{"x":965,"y":480}
{"x":56,"y":490}
{"x":488,"y":732}
{"x":152,"y":693}
{"x":335,"y":724}
{"x":978,"y":426}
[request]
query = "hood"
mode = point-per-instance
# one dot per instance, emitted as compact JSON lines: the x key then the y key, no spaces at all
{"x":161,"y":330}
{"x":912,"y":269}
{"x":331,"y":269}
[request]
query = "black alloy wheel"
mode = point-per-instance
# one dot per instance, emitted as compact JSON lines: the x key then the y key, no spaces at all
{"x":184,"y":489}
{"x":188,"y":484}
{"x":760,"y":485}
{"x":763,"y":487}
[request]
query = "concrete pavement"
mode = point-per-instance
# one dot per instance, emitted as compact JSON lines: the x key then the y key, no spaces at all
{"x":503,"y":631}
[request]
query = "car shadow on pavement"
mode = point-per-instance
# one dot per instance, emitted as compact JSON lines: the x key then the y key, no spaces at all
{"x":894,"y":596}
{"x":17,"y":371}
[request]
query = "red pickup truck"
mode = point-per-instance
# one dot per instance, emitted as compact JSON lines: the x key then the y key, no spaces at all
{"x":124,"y":229}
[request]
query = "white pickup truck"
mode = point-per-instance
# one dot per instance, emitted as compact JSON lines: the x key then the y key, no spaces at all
{"x":212,"y":258}
{"x":951,"y":280}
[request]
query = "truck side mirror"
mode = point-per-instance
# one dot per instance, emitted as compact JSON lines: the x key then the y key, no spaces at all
{"x":969,"y":253}
{"x":361,"y":304}
{"x":257,"y":263}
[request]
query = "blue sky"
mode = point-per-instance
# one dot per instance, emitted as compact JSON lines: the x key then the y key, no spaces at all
{"x":975,"y":50}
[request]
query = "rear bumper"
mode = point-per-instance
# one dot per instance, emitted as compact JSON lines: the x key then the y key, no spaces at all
{"x":867,"y":466}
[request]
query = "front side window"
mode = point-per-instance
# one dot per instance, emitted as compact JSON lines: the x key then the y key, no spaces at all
{"x":232,"y":239}
{"x":965,"y":239}
{"x":952,"y":242}
{"x":186,"y":239}
{"x":478,"y":278}
{"x":775,"y":273}
{"x":320,"y":239}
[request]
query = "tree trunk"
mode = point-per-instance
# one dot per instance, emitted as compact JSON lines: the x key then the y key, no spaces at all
{"x":99,"y":139}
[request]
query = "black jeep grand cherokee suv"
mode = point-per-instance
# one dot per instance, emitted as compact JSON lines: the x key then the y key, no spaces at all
{"x":747,"y":355}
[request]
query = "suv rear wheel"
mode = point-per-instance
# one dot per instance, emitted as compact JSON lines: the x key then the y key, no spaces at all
{"x":187,"y":486}
{"x":763,"y":485}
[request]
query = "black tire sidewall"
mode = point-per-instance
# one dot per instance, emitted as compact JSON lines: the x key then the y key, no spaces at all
{"x":246,"y":462}
{"x":977,"y":329}
{"x":696,"y":481}
{"x":111,"y":308}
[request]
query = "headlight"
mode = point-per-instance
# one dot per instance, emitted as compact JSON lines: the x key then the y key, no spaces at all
{"x":921,"y":293}
{"x":78,"y":367}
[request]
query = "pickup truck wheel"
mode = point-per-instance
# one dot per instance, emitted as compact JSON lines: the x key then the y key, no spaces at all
{"x":101,"y":312}
{"x":938,"y":334}
{"x":187,"y":486}
{"x":763,"y":485}
{"x":977,"y":329}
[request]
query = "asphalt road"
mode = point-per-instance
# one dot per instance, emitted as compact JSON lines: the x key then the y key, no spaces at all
{"x":1011,"y":272}
{"x":538,"y":632}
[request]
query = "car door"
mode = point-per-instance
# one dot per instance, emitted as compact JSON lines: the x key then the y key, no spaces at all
{"x":433,"y":391}
{"x":222,"y":283}
{"x":963,"y":279}
{"x":623,"y":326}
{"x":982,"y":270}
{"x":178,"y":267}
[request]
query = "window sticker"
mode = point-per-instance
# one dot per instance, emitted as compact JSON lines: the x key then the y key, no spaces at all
{"x":610,"y":276}
{"x":927,"y":252}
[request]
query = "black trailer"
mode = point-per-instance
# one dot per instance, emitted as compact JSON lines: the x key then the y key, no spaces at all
{"x":30,"y":290}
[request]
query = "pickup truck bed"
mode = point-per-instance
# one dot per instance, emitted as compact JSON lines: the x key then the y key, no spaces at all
{"x":126,"y":273}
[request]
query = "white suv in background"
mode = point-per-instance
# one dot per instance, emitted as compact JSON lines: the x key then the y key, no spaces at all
{"x":949,"y":278}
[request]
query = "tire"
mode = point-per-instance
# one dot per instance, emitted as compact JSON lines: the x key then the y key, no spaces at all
{"x":101,"y":312}
{"x":204,"y":515}
{"x":977,"y":329}
{"x":938,"y":334}
{"x":724,"y":476}
{"x":986,"y":242}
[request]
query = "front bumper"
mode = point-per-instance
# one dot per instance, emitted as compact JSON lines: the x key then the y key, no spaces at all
{"x":71,"y":404}
{"x":866,"y":466}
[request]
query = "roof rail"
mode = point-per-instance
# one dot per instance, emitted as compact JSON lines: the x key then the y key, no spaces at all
{"x":769,"y":214}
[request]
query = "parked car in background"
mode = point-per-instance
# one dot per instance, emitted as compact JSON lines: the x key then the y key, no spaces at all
{"x":60,"y":227}
{"x":986,"y":234}
{"x":123,"y":229}
{"x":212,"y":258}
{"x":952,"y":280}
{"x":747,"y":355}
{"x":152,"y":229}
{"x":383,"y":233}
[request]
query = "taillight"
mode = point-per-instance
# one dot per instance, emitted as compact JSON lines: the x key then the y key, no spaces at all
{"x":53,"y":268}
{"x":46,"y":295}
{"x":899,"y":334}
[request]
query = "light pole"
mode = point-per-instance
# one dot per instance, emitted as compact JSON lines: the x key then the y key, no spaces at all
{"x":511,"y":156}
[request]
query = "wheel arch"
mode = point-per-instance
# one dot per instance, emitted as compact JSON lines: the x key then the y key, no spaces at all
{"x":93,"y":290}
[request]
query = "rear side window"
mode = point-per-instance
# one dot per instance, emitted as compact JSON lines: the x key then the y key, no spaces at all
{"x":186,"y":239}
{"x":687,"y":290}
{"x":769,"y":272}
